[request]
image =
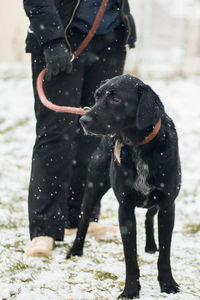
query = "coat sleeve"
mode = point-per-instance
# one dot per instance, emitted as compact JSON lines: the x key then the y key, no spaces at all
{"x":44,"y":19}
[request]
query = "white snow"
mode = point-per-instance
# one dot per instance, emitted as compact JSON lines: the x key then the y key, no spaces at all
{"x":99,"y":274}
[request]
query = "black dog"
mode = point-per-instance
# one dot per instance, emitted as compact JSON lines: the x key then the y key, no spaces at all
{"x":138,"y":156}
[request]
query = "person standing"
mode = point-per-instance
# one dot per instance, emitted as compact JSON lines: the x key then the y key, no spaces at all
{"x":61,"y":152}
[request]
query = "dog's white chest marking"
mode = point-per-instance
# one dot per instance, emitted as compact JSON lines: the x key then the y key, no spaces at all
{"x":140,"y":184}
{"x":117,"y":152}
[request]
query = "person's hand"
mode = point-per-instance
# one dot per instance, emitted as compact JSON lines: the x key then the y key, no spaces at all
{"x":57,"y":59}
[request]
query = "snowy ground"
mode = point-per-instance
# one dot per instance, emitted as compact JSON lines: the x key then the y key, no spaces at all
{"x":99,"y":274}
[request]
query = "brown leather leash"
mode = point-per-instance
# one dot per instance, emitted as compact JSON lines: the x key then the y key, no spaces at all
{"x":93,"y":29}
{"x":83,"y":45}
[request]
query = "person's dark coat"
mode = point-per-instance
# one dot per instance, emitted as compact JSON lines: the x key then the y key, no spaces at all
{"x":51,"y":19}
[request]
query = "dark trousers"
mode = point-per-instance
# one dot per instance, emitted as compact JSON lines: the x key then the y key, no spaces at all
{"x":61,"y":152}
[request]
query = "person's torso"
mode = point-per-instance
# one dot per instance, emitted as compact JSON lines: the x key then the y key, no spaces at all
{"x":73,"y":13}
{"x":86,"y":14}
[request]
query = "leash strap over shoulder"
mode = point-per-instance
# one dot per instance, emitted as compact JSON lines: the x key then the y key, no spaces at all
{"x":93,"y":29}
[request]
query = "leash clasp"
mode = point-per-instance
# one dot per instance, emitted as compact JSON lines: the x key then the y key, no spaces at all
{"x":72,"y":57}
{"x":86,"y":108}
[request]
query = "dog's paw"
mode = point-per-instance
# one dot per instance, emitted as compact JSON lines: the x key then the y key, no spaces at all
{"x":169,"y":287}
{"x":132,"y":293}
{"x":151,"y":248}
{"x":127,"y":296}
{"x":74,"y":252}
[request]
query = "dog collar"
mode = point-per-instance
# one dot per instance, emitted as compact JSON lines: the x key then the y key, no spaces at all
{"x":152,"y":135}
{"x":118,"y":145}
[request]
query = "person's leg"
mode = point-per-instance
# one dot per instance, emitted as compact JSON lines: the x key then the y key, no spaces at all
{"x":110,"y":57}
{"x":52,"y":153}
{"x":77,"y":185}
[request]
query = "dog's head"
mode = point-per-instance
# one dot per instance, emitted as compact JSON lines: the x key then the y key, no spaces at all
{"x":120,"y":103}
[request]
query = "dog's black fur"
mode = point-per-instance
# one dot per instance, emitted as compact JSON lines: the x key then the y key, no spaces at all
{"x":149,"y":175}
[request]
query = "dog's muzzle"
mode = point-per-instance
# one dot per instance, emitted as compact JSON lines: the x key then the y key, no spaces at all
{"x":86,"y":122}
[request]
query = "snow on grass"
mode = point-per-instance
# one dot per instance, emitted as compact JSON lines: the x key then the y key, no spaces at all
{"x":99,"y":274}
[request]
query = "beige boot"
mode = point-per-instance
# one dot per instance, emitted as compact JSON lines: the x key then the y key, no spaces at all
{"x":98,"y":231}
{"x":95,"y":230}
{"x":70,"y":231}
{"x":40,"y":246}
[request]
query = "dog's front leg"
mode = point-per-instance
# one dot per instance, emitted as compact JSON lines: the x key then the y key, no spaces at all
{"x":98,"y":183}
{"x":127,"y":224}
{"x":92,"y":196}
{"x":77,"y":248}
{"x":165,"y":228}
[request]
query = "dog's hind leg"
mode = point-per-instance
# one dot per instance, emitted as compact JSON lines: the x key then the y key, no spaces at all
{"x":165,"y":228}
{"x":97,"y":185}
{"x":150,"y":246}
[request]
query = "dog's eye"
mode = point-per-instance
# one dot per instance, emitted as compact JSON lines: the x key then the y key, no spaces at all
{"x":97,"y":94}
{"x":114,"y":100}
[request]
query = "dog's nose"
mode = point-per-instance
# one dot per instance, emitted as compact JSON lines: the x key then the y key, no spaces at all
{"x":85,"y":120}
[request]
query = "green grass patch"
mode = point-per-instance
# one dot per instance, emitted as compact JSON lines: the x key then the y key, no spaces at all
{"x":28,"y":279}
{"x":107,"y":214}
{"x":63,"y":245}
{"x":14,"y":126}
{"x":19,"y":199}
{"x":12,"y":224}
{"x":115,"y":241}
{"x":87,"y":270}
{"x":99,"y":275}
{"x":48,"y":288}
{"x":17,"y":245}
{"x":192,"y":228}
{"x":96,"y":260}
{"x":18,"y":266}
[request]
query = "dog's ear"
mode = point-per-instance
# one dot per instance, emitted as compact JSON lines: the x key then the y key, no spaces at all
{"x":149,"y":108}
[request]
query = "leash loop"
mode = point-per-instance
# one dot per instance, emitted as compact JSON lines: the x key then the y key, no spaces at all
{"x":50,"y":105}
{"x":83,"y":45}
